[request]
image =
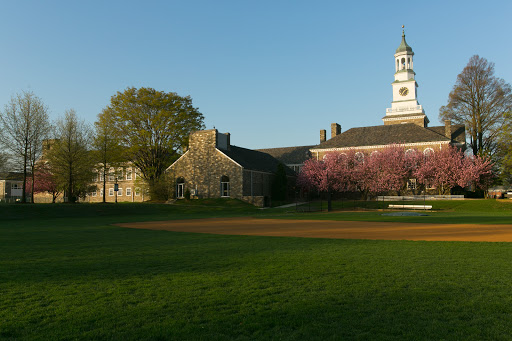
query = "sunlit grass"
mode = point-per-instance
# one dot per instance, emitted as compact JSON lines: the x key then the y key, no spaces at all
{"x":66,"y":273}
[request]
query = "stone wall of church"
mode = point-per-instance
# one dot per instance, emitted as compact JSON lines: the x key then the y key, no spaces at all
{"x":203,"y":166}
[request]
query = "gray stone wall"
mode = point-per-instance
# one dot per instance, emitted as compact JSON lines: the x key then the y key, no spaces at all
{"x":203,"y":166}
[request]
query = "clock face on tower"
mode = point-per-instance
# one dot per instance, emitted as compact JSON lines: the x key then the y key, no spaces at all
{"x":403,"y":91}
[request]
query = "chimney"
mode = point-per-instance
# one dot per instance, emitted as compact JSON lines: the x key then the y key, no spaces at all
{"x":335,"y":129}
{"x":323,"y":135}
{"x":229,"y":141}
{"x":448,"y":129}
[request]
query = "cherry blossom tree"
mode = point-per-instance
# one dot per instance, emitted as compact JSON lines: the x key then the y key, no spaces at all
{"x":45,"y":181}
{"x":389,"y":169}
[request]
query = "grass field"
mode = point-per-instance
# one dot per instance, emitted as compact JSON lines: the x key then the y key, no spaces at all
{"x":66,"y":273}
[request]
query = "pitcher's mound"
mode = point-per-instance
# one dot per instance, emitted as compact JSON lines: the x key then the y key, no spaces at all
{"x":334,"y":229}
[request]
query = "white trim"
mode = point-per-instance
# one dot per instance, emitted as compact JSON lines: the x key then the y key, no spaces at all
{"x":381,"y":146}
{"x":177,"y":160}
{"x":229,"y":158}
{"x":386,"y":118}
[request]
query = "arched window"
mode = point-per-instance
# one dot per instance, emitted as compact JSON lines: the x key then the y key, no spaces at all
{"x":359,"y":157}
{"x":403,"y":63}
{"x":428,"y":152}
{"x":409,"y":153}
{"x":180,"y":188}
{"x":224,"y":186}
{"x":375,"y":153}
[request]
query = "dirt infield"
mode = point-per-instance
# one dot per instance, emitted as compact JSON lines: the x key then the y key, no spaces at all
{"x":334,"y":229}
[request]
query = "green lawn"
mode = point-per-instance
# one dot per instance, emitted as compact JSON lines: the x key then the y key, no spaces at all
{"x":66,"y":273}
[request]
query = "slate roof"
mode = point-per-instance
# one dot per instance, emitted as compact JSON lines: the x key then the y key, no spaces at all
{"x":384,"y":135}
{"x":458,"y":132}
{"x":254,"y":160}
{"x":290,"y":155}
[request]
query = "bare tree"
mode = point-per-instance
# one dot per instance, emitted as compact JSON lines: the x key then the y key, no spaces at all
{"x":69,"y":156}
{"x":479,"y":100}
{"x":4,"y":162}
{"x":24,"y":124}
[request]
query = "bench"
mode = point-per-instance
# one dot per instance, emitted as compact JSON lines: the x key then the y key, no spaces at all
{"x":412,"y":207}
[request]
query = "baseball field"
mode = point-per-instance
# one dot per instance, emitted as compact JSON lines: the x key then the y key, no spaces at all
{"x":225,"y":270}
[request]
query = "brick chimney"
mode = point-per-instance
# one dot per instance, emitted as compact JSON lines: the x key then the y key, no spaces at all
{"x":335,"y":129}
{"x":323,"y":135}
{"x":448,"y":129}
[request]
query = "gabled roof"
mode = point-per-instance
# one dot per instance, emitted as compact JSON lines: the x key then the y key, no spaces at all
{"x":383,"y":135}
{"x":253,"y":159}
{"x":290,"y":155}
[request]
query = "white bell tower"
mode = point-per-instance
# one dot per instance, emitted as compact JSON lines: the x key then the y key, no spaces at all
{"x":405,"y":107}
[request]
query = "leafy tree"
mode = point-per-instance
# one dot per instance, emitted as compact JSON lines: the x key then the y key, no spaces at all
{"x":24,"y":124}
{"x":106,"y":143}
{"x":479,"y":100}
{"x":69,"y":157}
{"x":154,"y":126}
{"x":279,"y":183}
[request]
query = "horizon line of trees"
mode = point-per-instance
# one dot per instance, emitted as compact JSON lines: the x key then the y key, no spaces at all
{"x":145,"y":127}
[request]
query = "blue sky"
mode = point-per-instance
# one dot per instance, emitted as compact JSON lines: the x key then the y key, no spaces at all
{"x":272,"y":73}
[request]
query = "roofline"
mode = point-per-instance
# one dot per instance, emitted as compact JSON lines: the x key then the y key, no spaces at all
{"x":220,"y":151}
{"x":378,"y":146}
{"x":176,"y":160}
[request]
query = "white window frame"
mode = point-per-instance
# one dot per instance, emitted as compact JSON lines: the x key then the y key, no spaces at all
{"x":412,"y":184}
{"x":129,"y":173}
{"x":119,"y":173}
{"x":111,"y":174}
{"x":225,"y":189}
{"x":180,"y":190}
{"x":137,"y":191}
{"x":128,"y":191}
{"x":111,"y":192}
{"x":94,"y":193}
{"x":119,"y":192}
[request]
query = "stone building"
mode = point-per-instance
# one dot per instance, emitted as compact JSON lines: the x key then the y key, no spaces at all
{"x":213,"y":168}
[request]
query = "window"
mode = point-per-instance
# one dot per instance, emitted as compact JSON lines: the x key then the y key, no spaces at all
{"x":101,"y":192}
{"x":111,"y":172}
{"x":111,"y":192}
{"x":137,"y":191}
{"x":409,"y":153}
{"x":411,"y":184}
{"x":94,"y":193}
{"x":128,"y":174}
{"x":359,"y":157}
{"x":119,"y":192}
{"x":224,"y":186}
{"x":101,"y":176}
{"x":119,"y":173}
{"x":428,"y":152}
{"x":374,"y":154}
{"x":128,"y":192}
{"x":16,"y":185}
{"x":180,"y":188}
